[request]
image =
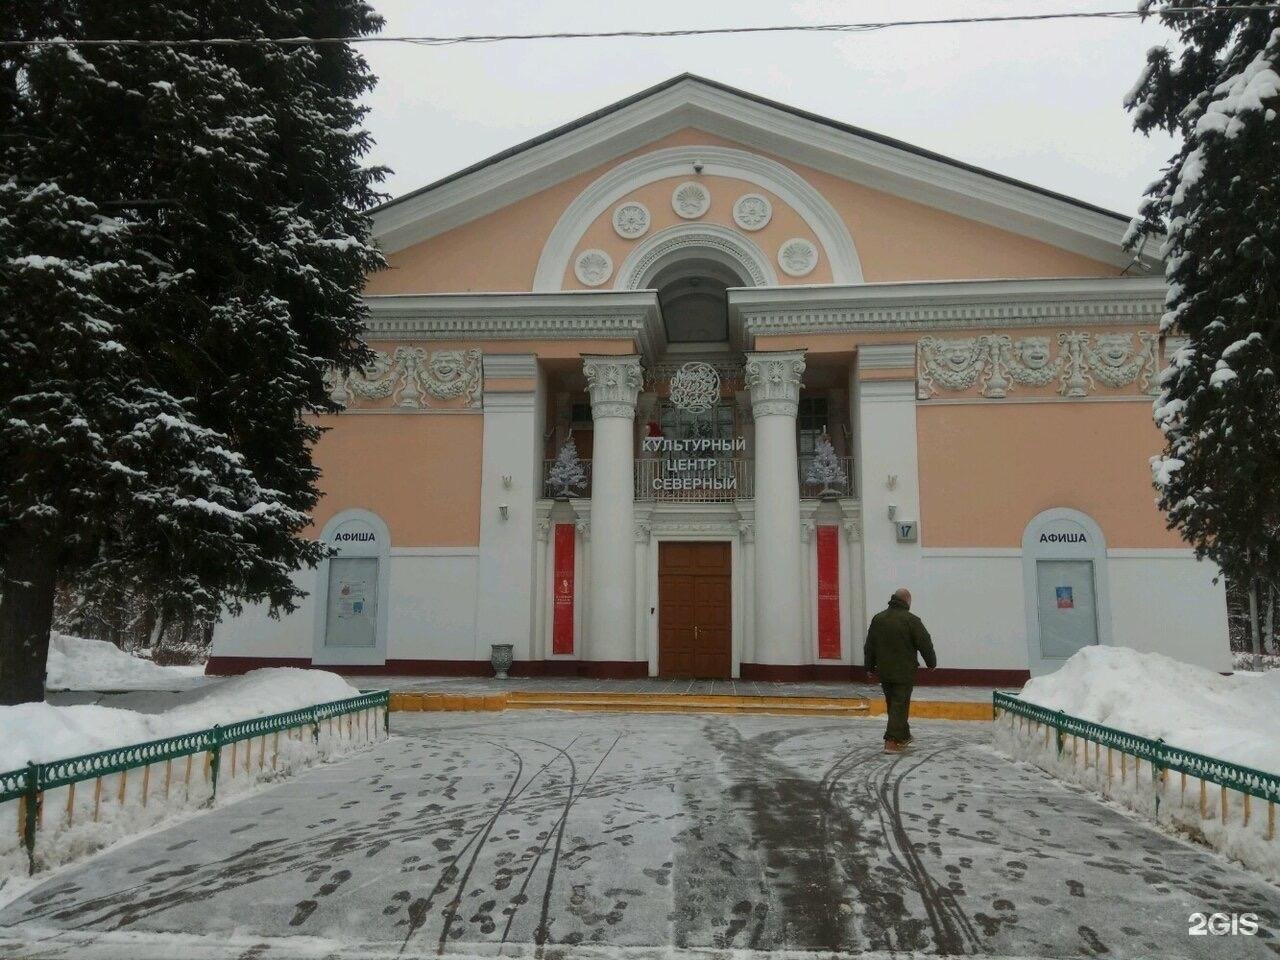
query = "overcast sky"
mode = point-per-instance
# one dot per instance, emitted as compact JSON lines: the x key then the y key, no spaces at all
{"x":1037,"y":101}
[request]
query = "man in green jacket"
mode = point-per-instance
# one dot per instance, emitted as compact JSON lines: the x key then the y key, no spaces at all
{"x":894,"y":639}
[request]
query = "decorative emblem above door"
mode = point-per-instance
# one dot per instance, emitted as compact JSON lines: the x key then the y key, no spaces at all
{"x":695,"y":387}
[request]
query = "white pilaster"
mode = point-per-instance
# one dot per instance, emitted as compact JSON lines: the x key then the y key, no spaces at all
{"x":774,"y":381}
{"x":511,"y":478}
{"x":888,"y":474}
{"x":614,"y":383}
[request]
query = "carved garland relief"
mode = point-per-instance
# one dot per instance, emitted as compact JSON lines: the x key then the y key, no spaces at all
{"x":409,"y":375}
{"x":998,"y":363}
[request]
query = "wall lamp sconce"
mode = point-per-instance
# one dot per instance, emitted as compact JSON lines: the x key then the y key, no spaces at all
{"x":504,"y":510}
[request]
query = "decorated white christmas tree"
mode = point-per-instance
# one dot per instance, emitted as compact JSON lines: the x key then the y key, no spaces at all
{"x":825,"y":469}
{"x":566,"y":472}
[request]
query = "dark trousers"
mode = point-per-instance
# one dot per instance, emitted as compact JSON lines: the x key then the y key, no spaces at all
{"x":897,"y":698}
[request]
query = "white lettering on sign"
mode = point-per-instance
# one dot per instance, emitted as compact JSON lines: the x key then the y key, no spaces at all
{"x":695,"y":483}
{"x":696,"y":445}
{"x":1063,"y":538}
{"x":364,"y":537}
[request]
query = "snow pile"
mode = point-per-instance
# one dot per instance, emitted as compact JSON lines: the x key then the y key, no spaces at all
{"x":1231,"y":718}
{"x":1227,"y":717}
{"x":117,"y":808}
{"x":40,"y":732}
{"x":78,"y":664}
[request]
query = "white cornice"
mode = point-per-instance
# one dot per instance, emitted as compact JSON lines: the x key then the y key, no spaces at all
{"x":947,"y":305}
{"x":887,"y":356}
{"x":505,"y":366}
{"x":889,"y":167}
{"x":574,"y":315}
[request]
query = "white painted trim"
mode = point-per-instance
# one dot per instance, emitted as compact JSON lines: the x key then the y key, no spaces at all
{"x":323,"y":655}
{"x":1143,"y":398}
{"x":616,"y":184}
{"x":1151,"y":553}
{"x":946,"y":305}
{"x":886,"y":391}
{"x":568,"y":315}
{"x":509,"y":400}
{"x":886,"y":356}
{"x":736,"y":251}
{"x":435,"y":552}
{"x":411,"y":411}
{"x":977,"y":552}
{"x":1032,"y":551}
{"x":694,"y":103}
{"x":509,"y":366}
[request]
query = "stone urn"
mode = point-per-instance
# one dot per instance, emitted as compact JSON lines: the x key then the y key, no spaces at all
{"x":501,"y":656}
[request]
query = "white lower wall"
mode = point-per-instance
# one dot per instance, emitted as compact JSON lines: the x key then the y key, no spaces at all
{"x":973,"y":608}
{"x":431,"y":616}
{"x":1170,"y":605}
{"x":433,"y":608}
{"x":972,"y":603}
{"x":1161,"y":601}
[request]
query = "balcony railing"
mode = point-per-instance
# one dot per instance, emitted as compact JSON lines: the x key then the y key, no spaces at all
{"x":702,"y":480}
{"x":809,"y":490}
{"x":695,"y":479}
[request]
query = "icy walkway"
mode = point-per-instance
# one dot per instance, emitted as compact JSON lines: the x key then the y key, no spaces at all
{"x":635,"y":831}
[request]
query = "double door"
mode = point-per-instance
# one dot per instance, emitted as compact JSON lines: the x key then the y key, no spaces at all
{"x":695,"y":604}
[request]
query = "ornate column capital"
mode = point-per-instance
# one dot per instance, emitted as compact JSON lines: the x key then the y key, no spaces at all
{"x":613,"y":383}
{"x":774,"y":381}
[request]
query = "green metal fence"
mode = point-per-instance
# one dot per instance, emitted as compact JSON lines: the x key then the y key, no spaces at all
{"x":29,"y":785}
{"x":1058,"y":728}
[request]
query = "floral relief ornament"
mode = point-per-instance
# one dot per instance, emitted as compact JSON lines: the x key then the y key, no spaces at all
{"x":409,"y":373}
{"x":999,"y":361}
{"x":797,"y":257}
{"x":752,"y":211}
{"x":593,"y":267}
{"x":690,"y":200}
{"x":631,"y":220}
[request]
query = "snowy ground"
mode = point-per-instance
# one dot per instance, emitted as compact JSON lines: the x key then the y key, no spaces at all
{"x":618,"y":834}
{"x":77,"y":823}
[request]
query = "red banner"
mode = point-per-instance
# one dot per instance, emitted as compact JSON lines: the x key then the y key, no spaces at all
{"x":562,"y":610}
{"x":828,"y":593}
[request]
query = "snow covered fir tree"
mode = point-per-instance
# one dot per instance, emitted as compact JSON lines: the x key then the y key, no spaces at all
{"x":566,"y":474}
{"x":184,"y":244}
{"x":825,"y":470}
{"x":1216,"y":213}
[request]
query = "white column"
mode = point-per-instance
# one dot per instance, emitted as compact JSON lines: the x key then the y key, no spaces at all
{"x":614,"y":383}
{"x":774,"y":380}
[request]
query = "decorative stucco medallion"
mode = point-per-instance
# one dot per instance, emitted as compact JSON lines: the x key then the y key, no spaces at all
{"x":695,"y":387}
{"x":752,"y":211}
{"x":631,"y":220}
{"x":690,"y":200}
{"x":797,"y":257}
{"x":593,"y":267}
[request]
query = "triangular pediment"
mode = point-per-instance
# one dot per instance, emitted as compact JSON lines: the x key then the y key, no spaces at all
{"x":792,"y":135}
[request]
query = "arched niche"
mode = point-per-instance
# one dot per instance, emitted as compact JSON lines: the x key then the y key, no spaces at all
{"x":1066,"y":587}
{"x":352,"y":591}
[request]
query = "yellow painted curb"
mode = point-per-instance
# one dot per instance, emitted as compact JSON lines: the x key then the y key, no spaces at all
{"x":682,"y":704}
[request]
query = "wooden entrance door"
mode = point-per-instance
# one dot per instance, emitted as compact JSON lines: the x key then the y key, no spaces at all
{"x":695,"y":610}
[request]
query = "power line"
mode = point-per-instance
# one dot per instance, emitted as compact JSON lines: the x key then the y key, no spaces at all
{"x":867,"y":27}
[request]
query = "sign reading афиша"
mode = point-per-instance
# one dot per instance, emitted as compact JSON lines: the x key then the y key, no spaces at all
{"x":682,"y":469}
